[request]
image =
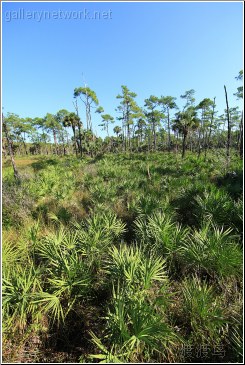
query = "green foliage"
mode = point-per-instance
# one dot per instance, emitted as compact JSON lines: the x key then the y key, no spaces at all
{"x":68,"y":276}
{"x":160,"y":233}
{"x":96,"y":234}
{"x":218,"y":207}
{"x":19,"y":290}
{"x":138,"y":328}
{"x":87,"y":92}
{"x":202,"y":310}
{"x":132,"y":268}
{"x":186,"y":121}
{"x":213,"y":251}
{"x":71,"y":120}
{"x":97,"y":254}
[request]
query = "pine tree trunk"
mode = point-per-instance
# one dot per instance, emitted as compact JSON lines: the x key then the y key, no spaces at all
{"x":24,"y":143}
{"x":241,"y":138}
{"x":80,"y":139}
{"x":55,"y":141}
{"x":210,"y":129}
{"x":74,"y":135}
{"x":199,"y":142}
{"x":9,"y":142}
{"x":169,"y":137}
{"x":154,"y":137}
{"x":183,"y":145}
{"x":229,"y":128}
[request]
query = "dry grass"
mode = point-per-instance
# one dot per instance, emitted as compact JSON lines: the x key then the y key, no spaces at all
{"x":21,"y":162}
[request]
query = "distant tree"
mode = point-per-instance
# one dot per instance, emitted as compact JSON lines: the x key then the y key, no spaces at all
{"x":153,"y":116}
{"x":189,"y":97}
{"x":89,"y":98}
{"x":162,"y":135}
{"x":19,"y":128}
{"x":79,"y":125}
{"x":38,"y":123}
{"x":211,"y":126}
{"x":72,"y":120}
{"x":168,"y":103}
{"x":43,"y":137}
{"x":52,"y":125}
{"x":10,"y":145}
{"x":228,"y":127}
{"x":106,"y":120}
{"x":239,"y":95}
{"x":207,"y":109}
{"x":99,"y":110}
{"x":60,"y":117}
{"x":141,"y":125}
{"x":24,"y":127}
{"x":128,"y":109}
{"x":185,"y":122}
{"x":117,"y":130}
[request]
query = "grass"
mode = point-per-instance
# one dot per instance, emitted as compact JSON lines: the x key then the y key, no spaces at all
{"x":122,"y":258}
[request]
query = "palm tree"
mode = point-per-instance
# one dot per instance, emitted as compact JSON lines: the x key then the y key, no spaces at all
{"x":117,"y":130}
{"x":72,"y":120}
{"x":184,"y":123}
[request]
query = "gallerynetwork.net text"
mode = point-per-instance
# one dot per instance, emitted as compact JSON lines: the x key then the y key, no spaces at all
{"x":85,"y":14}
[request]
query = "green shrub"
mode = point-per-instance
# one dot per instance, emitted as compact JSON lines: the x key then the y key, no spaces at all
{"x":202,"y":312}
{"x":213,"y":251}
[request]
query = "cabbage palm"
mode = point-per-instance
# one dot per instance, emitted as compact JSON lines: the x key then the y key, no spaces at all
{"x":73,"y":121}
{"x":185,"y":122}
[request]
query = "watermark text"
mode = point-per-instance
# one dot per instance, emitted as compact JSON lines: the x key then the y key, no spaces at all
{"x":85,"y":14}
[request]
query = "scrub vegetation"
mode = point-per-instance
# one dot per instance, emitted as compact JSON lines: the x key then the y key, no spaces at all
{"x":127,"y":249}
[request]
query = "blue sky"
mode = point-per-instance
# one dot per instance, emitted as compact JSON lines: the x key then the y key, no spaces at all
{"x":153,"y":48}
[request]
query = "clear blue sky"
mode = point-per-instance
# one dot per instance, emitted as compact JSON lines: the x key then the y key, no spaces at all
{"x":153,"y":48}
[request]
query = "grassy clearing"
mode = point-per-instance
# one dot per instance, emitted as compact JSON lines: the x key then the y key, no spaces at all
{"x":123,"y":258}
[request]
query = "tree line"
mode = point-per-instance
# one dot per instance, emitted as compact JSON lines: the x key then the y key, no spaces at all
{"x":157,"y":126}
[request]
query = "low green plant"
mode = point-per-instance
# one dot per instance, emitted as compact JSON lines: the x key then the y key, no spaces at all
{"x":138,"y":329}
{"x":19,"y":290}
{"x":134,"y":269}
{"x":96,"y":233}
{"x":139,"y":252}
{"x":203,"y":312}
{"x":159,"y":232}
{"x":217,"y":206}
{"x":67,"y":274}
{"x":213,"y":251}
